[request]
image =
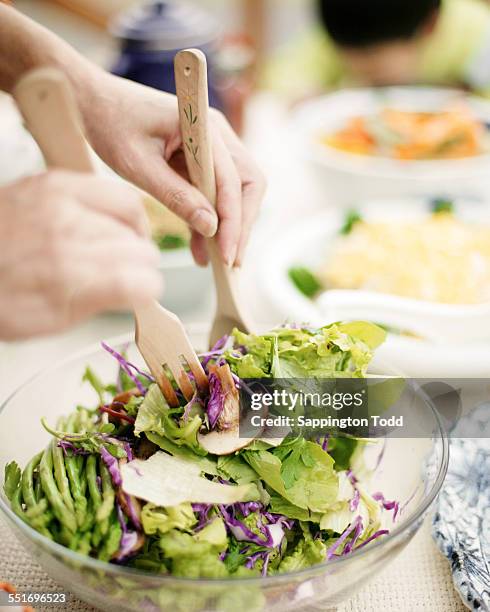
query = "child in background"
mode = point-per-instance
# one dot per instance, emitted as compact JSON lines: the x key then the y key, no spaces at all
{"x":388,"y":42}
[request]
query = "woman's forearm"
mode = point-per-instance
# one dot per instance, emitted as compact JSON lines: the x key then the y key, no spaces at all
{"x":25,"y":45}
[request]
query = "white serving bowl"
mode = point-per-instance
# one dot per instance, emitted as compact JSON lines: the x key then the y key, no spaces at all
{"x":306,"y":244}
{"x":343,"y":177}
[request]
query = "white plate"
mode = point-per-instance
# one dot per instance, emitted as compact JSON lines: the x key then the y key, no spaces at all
{"x":348,"y":176}
{"x":306,"y":243}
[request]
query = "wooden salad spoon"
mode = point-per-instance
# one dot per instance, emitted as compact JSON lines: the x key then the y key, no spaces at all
{"x":192,"y":92}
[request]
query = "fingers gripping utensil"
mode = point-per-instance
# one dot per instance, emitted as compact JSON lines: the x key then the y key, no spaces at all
{"x":192,"y":92}
{"x":47,"y":103}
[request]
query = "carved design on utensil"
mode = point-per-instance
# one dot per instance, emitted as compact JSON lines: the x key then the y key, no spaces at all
{"x":192,"y":119}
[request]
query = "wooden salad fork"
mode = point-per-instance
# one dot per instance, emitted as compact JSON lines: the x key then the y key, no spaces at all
{"x":191,"y":82}
{"x":47,"y":103}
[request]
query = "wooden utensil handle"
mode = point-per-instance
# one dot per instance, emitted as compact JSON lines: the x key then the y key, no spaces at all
{"x":191,"y":82}
{"x":49,"y":108}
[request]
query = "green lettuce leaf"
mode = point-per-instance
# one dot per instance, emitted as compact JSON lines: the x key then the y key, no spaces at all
{"x":196,"y":556}
{"x":279,"y":505}
{"x":305,"y":553}
{"x":206,"y":463}
{"x":158,"y":520}
{"x":155,"y":415}
{"x":372,"y":335}
{"x":342,"y":449}
{"x":232,"y":467}
{"x":314,"y":485}
{"x":256,"y":363}
{"x":166,"y":481}
{"x":152,"y":412}
{"x":338,"y":349}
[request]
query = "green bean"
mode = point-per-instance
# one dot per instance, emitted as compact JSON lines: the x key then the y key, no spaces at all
{"x":108,"y":494}
{"x":60,"y":511}
{"x":83,"y":479}
{"x":104,"y":526}
{"x":73,"y":473}
{"x":84,"y":545}
{"x":80,"y":501}
{"x":97,"y":535}
{"x":74,"y":541}
{"x":91,"y":472}
{"x":65,"y":536}
{"x":41,"y":523}
{"x":113,"y":539}
{"x":16,"y":503}
{"x":39,"y":520}
{"x":84,"y":422}
{"x":60,"y":473}
{"x":79,"y":462}
{"x":40,"y":508}
{"x":38,"y":490}
{"x":27,"y":481}
{"x":89,"y":517}
{"x":70,"y":424}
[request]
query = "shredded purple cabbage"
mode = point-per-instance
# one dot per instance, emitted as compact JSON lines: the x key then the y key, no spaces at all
{"x":352,"y":527}
{"x":216,"y":401}
{"x":323,"y":443}
{"x":202,"y":511}
{"x":129,"y":538}
{"x":386,"y":504}
{"x":281,"y":519}
{"x":112,"y":465}
{"x":132,"y":512}
{"x":252,"y":560}
{"x":351,"y":477}
{"x":127,"y":367}
{"x":354,"y":502}
{"x":375,"y":535}
{"x":238,"y":382}
{"x":351,"y":543}
{"x":128,"y":450}
{"x":66,"y":445}
{"x":272,"y":534}
{"x":215,"y":351}
{"x":127,"y":544}
{"x":247,"y":508}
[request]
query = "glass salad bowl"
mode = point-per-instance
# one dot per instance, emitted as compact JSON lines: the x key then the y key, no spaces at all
{"x":410,"y":471}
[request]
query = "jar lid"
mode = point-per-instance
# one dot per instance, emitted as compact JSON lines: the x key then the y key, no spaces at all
{"x":165,"y":25}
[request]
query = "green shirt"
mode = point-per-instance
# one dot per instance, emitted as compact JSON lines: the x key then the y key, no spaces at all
{"x":457,"y":52}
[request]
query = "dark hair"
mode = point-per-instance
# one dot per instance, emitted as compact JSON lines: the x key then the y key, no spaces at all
{"x":360,"y":23}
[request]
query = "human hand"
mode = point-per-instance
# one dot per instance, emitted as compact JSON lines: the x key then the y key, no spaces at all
{"x":135,"y":130}
{"x":72,"y":245}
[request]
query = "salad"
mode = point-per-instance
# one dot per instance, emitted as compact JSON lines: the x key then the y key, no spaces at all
{"x":172,"y":489}
{"x":437,"y":258}
{"x":409,"y":135}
